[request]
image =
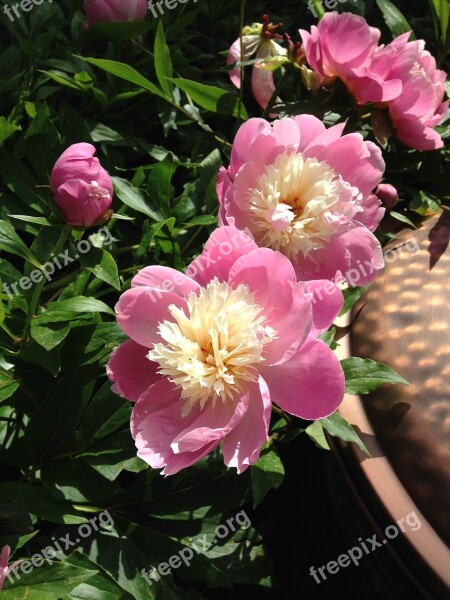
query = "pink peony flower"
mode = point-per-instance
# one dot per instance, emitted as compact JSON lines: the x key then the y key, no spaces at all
{"x":4,"y":569}
{"x":420,"y":106}
{"x":388,"y":195}
{"x":212,"y":350}
{"x":306,"y":191}
{"x":343,"y":45}
{"x":258,"y":40}
{"x":101,"y":11}
{"x":81,"y":188}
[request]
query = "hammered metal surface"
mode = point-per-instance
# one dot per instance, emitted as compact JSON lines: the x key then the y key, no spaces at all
{"x":404,"y":321}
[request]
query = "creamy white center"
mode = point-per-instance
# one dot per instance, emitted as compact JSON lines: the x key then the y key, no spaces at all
{"x":299,"y":203}
{"x":213,"y":350}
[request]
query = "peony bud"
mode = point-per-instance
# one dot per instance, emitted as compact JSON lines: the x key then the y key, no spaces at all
{"x":82,"y":189}
{"x":387,"y":194}
{"x":101,"y":11}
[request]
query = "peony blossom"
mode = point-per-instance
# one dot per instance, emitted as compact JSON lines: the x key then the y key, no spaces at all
{"x":4,"y":569}
{"x":306,"y":191}
{"x":343,"y":46}
{"x":420,"y":106}
{"x":211,"y":351}
{"x":388,"y":195}
{"x":259,"y":41}
{"x":82,"y":189}
{"x":101,"y":11}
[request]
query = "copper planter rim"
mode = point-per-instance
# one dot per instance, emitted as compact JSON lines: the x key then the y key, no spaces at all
{"x":389,"y":492}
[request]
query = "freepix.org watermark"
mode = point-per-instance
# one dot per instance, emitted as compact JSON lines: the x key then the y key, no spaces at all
{"x":63,"y":545}
{"x":329,"y":4}
{"x":161,"y":5}
{"x":21,"y":7}
{"x":59,"y":262}
{"x":198,"y":546}
{"x":355,"y":554}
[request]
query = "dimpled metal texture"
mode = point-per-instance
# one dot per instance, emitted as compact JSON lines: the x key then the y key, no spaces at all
{"x":403,"y":321}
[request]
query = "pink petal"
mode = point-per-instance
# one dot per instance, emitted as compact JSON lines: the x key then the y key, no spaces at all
{"x":415,"y":135}
{"x":77,"y":162}
{"x":327,"y":303}
{"x":167,"y":279}
{"x":373,"y":212}
{"x":365,"y":256}
{"x":130,"y":369}
{"x":310,"y":385}
{"x":211,"y":425}
{"x":372,"y":88}
{"x":263,"y":85}
{"x":234,"y":56}
{"x":249,"y":47}
{"x":243,"y":444}
{"x":346,"y":40}
{"x":223,"y":182}
{"x":81,"y":204}
{"x":360,"y":163}
{"x":141,"y":309}
{"x":223,"y":248}
{"x":286,"y":132}
{"x":155,"y":422}
{"x":310,"y":128}
{"x":243,"y":140}
{"x":271,"y":278}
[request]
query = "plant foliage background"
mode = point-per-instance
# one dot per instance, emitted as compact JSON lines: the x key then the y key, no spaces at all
{"x":156,"y":101}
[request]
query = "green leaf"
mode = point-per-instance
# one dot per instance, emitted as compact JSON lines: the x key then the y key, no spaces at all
{"x":402,"y":218}
{"x":351,"y":296}
{"x":99,"y":587}
{"x":212,"y":98}
{"x":267,"y":474}
{"x":53,"y":427}
{"x":50,"y":360}
{"x":49,"y":335}
{"x":394,"y":19}
{"x":11,"y":242}
{"x":124,"y":71}
{"x":362,"y":376}
{"x":62,"y":479}
{"x":134,"y":198}
{"x":79,"y":304}
{"x":316,"y":433}
{"x":109,"y":552}
{"x":102,"y":265}
{"x":159,"y":183}
{"x":7,"y":129}
{"x":8,"y":385}
{"x":201,"y":220}
{"x":28,"y":219}
{"x":48,"y":582}
{"x":39,"y":502}
{"x":337,"y":426}
{"x":328,"y":337}
{"x":163,"y":63}
{"x":425,"y":204}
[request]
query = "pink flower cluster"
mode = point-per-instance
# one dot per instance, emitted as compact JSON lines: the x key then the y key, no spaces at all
{"x":211,"y":351}
{"x":400,"y":76}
